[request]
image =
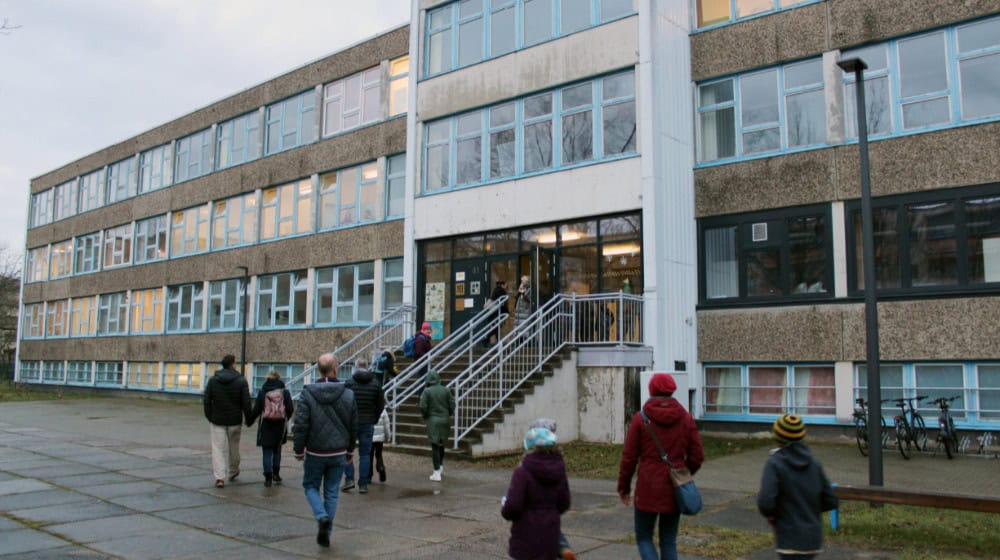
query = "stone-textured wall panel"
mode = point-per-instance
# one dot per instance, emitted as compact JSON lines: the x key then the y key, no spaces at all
{"x":782,"y":334}
{"x":855,"y":22}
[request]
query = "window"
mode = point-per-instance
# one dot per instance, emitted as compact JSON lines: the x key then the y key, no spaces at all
{"x":352,"y":102}
{"x":61,"y":259}
{"x":151,"y":239}
{"x":52,"y":372}
{"x":112,"y":313}
{"x":38,"y":265}
{"x":281,"y":299}
{"x":88,"y":253}
{"x":83,"y":317}
{"x":399,"y":72}
{"x":785,"y":253}
{"x":29,"y":371}
{"x":239,"y":140}
{"x":771,"y":390}
{"x":189,"y":231}
{"x":395,"y":186}
{"x":931,"y":241}
{"x":978,"y":67}
{"x":291,"y":122}
{"x":147,"y":311}
{"x":41,"y":208}
{"x":349,"y":196}
{"x":108,"y":373}
{"x":194,"y":156}
{"x":988,"y":384}
{"x":287,"y":372}
{"x":723,"y":390}
{"x":286,"y":210}
{"x":516,"y":138}
{"x":234,"y":221}
{"x":32,"y":320}
{"x":91,"y":191}
{"x":118,"y":246}
{"x":224,"y":305}
{"x":143,"y":375}
{"x":976,"y":384}
{"x":715,"y":12}
{"x":183,"y":376}
{"x":122,"y":180}
{"x":392,"y":284}
{"x":940,"y":380}
{"x":57,"y":318}
{"x":185,"y":306}
{"x":65,"y":200}
{"x":345,"y":294}
{"x":78,"y":373}
{"x":467,"y":32}
{"x":156,"y":168}
{"x":813,"y":391}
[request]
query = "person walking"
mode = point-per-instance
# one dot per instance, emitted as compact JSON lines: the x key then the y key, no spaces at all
{"x":522,"y":302}
{"x":436,"y":406}
{"x":794,"y":492}
{"x":384,"y":367}
{"x":324,"y":431}
{"x":227,"y":405}
{"x":499,"y":291}
{"x":370,"y":401}
{"x":565,"y":551}
{"x":654,"y":494}
{"x":273,"y":406}
{"x":381,"y":434}
{"x":536,"y":498}
{"x":421,"y":346}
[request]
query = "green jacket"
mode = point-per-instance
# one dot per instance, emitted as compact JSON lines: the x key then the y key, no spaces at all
{"x":436,"y":405}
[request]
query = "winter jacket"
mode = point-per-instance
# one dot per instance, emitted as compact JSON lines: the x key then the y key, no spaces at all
{"x":326,"y":419}
{"x":382,"y":432}
{"x":388,"y":368}
{"x":421,"y":345}
{"x":436,"y":405}
{"x":794,"y":491}
{"x":522,"y":307}
{"x":538,"y":494}
{"x":227,"y":398}
{"x":654,"y":493}
{"x":368,"y":396}
{"x":271,"y":433}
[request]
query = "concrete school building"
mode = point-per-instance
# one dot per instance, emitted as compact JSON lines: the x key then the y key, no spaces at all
{"x":700,"y":153}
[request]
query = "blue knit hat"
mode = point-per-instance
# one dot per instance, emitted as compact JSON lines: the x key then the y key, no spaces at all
{"x":539,"y":437}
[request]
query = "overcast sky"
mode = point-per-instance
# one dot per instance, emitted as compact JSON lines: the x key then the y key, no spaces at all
{"x":80,"y":75}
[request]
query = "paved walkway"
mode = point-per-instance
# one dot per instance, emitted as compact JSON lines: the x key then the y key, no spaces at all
{"x":131,"y":478}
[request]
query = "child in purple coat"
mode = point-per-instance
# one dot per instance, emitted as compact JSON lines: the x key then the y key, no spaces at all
{"x":537,"y":496}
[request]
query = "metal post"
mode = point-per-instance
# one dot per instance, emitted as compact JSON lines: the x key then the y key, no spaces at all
{"x":243,"y":338}
{"x":858,"y":66}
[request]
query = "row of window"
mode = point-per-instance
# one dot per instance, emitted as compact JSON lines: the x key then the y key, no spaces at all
{"x":343,"y":198}
{"x":944,"y":78}
{"x":925,"y":243}
{"x":347,"y":104}
{"x":809,"y":390}
{"x":466,"y":32}
{"x":339,"y":296}
{"x":586,"y":122}
{"x":719,"y":12}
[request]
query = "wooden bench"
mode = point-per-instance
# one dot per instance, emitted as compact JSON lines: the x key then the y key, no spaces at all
{"x":882,"y":495}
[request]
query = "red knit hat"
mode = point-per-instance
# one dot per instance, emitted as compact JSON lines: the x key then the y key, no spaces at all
{"x":662,"y":384}
{"x":426,"y":328}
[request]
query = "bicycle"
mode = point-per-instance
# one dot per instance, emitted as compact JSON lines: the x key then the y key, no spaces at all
{"x":861,"y":427}
{"x":911,"y":431}
{"x":947,"y":436}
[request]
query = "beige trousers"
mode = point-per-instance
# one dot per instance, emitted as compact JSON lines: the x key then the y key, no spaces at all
{"x":225,"y":450}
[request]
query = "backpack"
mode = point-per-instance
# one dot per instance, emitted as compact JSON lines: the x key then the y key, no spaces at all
{"x":381,"y":365}
{"x":274,"y":405}
{"x":410,"y":347}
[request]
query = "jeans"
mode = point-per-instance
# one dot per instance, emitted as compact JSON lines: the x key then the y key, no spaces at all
{"x":326,"y":471}
{"x":365,"y":433}
{"x":644,"y":525}
{"x":272,"y":459}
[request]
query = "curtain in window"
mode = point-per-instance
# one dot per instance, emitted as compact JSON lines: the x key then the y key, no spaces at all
{"x":721,"y":270}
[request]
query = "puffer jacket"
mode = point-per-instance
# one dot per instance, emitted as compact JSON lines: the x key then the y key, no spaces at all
{"x":382,"y":431}
{"x":654,"y":493}
{"x":227,"y":398}
{"x":326,"y":419}
{"x":368,"y":396}
{"x":794,"y":491}
{"x":537,"y":496}
{"x":436,"y":405}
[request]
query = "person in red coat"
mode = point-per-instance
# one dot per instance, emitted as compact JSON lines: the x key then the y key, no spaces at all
{"x":654,"y":493}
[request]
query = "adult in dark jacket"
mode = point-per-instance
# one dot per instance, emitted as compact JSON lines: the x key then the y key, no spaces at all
{"x":271,"y":432}
{"x":794,"y":492}
{"x":499,"y":291}
{"x":654,"y":493}
{"x":436,"y":406}
{"x":370,"y":400}
{"x":537,"y":496}
{"x":421,"y":346}
{"x":227,"y":405}
{"x":324,"y":431}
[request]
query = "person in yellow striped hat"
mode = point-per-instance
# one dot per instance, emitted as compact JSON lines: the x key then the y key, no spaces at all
{"x":794,"y":492}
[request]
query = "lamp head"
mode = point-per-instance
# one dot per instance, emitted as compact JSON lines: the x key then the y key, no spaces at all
{"x":852,"y":64}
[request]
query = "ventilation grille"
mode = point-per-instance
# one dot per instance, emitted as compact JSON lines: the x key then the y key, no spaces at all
{"x":760,"y":232}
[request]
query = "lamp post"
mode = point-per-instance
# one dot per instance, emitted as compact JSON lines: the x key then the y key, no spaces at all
{"x":243,"y":337}
{"x":857,"y":67}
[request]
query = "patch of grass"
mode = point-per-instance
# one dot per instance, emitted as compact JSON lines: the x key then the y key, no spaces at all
{"x":719,"y":542}
{"x":20,"y":392}
{"x":717,"y":447}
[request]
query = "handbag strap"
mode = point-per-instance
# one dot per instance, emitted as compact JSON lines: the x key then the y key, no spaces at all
{"x":656,"y":440}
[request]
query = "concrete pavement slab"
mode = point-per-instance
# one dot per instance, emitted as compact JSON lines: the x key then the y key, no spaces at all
{"x":110,"y":528}
{"x":92,"y":479}
{"x":9,"y":524}
{"x":164,"y":471}
{"x":76,"y":511}
{"x":122,"y":489}
{"x":245,"y":522}
{"x":250,"y":552}
{"x":61,"y":468}
{"x":165,"y":498}
{"x":42,"y":498}
{"x":64,"y":553}
{"x":27,"y":540}
{"x":22,"y":486}
{"x":166,"y":545}
{"x":350,"y":543}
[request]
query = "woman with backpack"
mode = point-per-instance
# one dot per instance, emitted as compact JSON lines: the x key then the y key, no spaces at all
{"x":274,"y":407}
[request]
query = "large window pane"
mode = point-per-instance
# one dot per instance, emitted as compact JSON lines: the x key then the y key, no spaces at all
{"x":925,"y":113}
{"x":814,"y":391}
{"x":537,"y":146}
{"x":503,"y":31}
{"x":933,"y":246}
{"x":575,"y":15}
{"x":619,"y":128}
{"x":877,"y":100}
{"x":711,"y":12}
{"x":723,"y":390}
{"x":806,"y":119}
{"x":611,"y":9}
{"x":577,"y":137}
{"x":891,"y":381}
{"x":718,"y":134}
{"x":763,"y":272}
{"x":750,"y":7}
{"x":721,"y":264}
{"x":940,"y":380}
{"x":989,"y":391}
{"x":767,"y":390}
{"x":470,"y":42}
{"x":537,"y":21}
{"x":982,"y":225}
{"x":807,"y":254}
{"x":980,"y":84}
{"x":759,"y":96}
{"x":886,"y":246}
{"x":922,"y":66}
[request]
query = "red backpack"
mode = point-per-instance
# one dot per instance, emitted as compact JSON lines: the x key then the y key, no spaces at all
{"x":274,"y":405}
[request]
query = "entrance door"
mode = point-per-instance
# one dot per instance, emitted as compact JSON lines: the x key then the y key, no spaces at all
{"x":470,"y":288}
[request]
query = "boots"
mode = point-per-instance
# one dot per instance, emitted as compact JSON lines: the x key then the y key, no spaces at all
{"x":267,"y":479}
{"x":381,"y":473}
{"x":276,"y":476}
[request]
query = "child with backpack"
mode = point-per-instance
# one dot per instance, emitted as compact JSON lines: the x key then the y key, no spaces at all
{"x":384,"y":367}
{"x":381,"y":434}
{"x":274,"y":408}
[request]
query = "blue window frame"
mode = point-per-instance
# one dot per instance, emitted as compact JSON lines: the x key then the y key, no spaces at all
{"x":239,"y":140}
{"x":467,"y":32}
{"x":352,"y":102}
{"x":593,"y":121}
{"x":37,"y":268}
{"x":122,"y":180}
{"x":52,"y":372}
{"x":287,"y":371}
{"x":112,"y":314}
{"x":183,"y":376}
{"x":156,"y":169}
{"x":194,"y":156}
{"x":108,"y":373}
{"x":234,"y":221}
{"x":61,"y":259}
{"x":769,"y":390}
{"x":185,"y":308}
{"x":91,"y":191}
{"x":225,"y":305}
{"x":29,"y":370}
{"x":287,"y":210}
{"x":151,"y":239}
{"x":146,"y":311}
{"x":395,"y":186}
{"x":345,"y":295}
{"x":87,"y":249}
{"x":392,"y":284}
{"x":349,"y":196}
{"x":78,"y":373}
{"x":118,"y":246}
{"x":291,"y":122}
{"x":281,"y":299}
{"x":32,"y":320}
{"x":41,"y":208}
{"x":65,"y":201}
{"x":189,"y":231}
{"x":57,"y":318}
{"x":713,"y":13}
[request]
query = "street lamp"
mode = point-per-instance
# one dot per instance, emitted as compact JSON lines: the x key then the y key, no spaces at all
{"x":858,"y":66}
{"x":243,"y":339}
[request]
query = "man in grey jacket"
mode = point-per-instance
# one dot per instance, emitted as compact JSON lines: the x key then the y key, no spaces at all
{"x":326,"y":426}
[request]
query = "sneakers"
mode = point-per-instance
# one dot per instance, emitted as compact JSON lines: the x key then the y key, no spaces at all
{"x":567,"y":554}
{"x":277,"y":477}
{"x":219,"y":483}
{"x":349,"y":485}
{"x":323,"y":534}
{"x":362,"y":488}
{"x":436,"y":475}
{"x":233,"y":476}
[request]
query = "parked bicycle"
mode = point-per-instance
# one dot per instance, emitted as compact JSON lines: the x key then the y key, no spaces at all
{"x":911,"y":431}
{"x":947,"y":436}
{"x":861,"y":427}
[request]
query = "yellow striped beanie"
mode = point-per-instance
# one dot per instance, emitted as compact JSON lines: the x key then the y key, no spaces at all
{"x":789,"y":428}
